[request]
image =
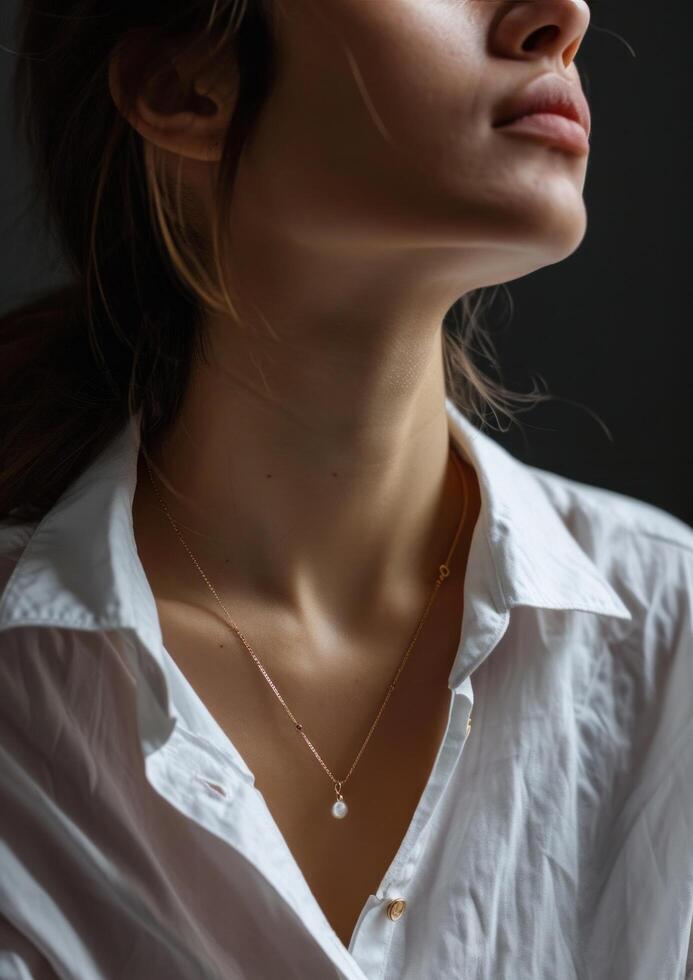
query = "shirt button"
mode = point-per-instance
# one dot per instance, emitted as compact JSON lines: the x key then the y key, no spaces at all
{"x":396,"y":908}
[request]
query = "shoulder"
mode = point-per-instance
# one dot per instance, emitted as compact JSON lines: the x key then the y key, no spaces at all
{"x":22,"y":649}
{"x":14,"y":539}
{"x":611,"y":514}
{"x":644,"y":552}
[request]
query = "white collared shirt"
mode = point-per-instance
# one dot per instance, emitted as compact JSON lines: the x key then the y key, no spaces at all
{"x":554,"y":842}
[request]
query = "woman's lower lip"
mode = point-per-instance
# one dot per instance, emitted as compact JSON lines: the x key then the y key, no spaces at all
{"x":550,"y":127}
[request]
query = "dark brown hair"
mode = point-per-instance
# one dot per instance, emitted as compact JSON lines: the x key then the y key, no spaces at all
{"x":121,"y":336}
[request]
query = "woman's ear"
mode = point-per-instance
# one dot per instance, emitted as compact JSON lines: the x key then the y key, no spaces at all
{"x":184,"y":106}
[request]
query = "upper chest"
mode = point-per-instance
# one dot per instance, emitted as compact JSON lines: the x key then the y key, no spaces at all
{"x":343,"y":861}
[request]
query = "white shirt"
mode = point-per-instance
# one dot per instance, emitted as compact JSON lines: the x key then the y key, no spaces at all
{"x":554,"y":842}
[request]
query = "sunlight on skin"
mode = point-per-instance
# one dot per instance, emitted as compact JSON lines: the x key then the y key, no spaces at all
{"x":373,"y":194}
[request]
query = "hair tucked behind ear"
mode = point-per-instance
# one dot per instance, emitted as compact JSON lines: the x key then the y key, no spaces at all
{"x":121,"y":336}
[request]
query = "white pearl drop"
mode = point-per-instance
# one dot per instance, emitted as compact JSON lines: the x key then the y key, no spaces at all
{"x":339,"y":809}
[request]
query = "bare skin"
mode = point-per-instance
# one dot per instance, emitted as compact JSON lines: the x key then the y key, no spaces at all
{"x":335,"y":690}
{"x":309,"y":466}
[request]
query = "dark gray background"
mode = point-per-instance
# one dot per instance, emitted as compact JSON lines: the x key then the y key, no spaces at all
{"x":609,"y":329}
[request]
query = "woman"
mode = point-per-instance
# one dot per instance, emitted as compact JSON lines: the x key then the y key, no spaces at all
{"x":303,"y":675}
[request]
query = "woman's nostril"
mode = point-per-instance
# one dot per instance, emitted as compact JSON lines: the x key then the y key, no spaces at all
{"x":544,"y":33}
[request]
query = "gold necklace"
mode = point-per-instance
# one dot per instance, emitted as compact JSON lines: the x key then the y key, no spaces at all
{"x":339,"y":807}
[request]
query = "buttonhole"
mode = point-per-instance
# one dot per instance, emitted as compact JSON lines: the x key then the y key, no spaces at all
{"x":215,"y":787}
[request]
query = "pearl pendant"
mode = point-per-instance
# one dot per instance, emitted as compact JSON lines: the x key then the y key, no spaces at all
{"x":339,"y":809}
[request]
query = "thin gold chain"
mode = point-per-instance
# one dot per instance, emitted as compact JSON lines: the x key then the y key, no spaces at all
{"x":443,"y":573}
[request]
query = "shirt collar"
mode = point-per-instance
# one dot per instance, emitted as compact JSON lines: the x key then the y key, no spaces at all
{"x":538,"y":561}
{"x":80,"y":568}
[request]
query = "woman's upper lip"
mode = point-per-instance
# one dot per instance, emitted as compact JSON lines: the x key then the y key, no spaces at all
{"x":548,"y":93}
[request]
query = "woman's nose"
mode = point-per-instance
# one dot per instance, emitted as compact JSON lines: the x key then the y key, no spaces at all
{"x":541,"y":29}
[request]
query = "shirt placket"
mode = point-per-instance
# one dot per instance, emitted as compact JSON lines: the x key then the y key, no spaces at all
{"x":386,"y":913}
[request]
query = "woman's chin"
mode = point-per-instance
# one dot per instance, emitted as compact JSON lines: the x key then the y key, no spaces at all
{"x":551,"y":225}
